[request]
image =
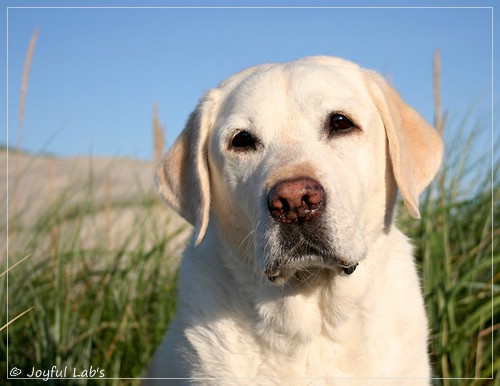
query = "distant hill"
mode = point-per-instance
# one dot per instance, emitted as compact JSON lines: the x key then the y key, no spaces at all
{"x":107,"y":193}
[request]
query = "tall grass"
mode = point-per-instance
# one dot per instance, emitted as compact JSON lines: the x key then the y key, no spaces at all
{"x":455,"y":244}
{"x":96,"y":303}
{"x":455,"y":250}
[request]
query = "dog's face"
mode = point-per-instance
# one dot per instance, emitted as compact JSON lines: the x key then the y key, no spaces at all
{"x":298,"y":164}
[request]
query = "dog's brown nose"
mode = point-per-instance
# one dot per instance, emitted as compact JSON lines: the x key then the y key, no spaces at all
{"x":296,"y":200}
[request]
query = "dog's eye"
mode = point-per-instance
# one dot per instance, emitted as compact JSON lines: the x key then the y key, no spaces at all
{"x":338,"y":123}
{"x":242,"y":141}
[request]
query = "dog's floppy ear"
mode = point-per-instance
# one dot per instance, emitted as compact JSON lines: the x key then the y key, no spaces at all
{"x":415,"y":147}
{"x":183,"y":176}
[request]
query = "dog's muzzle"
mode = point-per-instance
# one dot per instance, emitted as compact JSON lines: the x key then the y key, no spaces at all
{"x":297,"y":205}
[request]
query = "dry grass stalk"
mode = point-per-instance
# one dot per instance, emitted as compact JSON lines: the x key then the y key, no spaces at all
{"x":439,"y":124}
{"x":17,"y":317}
{"x":437,"y":90}
{"x":5,"y":272}
{"x":54,"y":231}
{"x":486,"y":333}
{"x":158,"y":135}
{"x":439,"y":117}
{"x":108,"y":209}
{"x":16,"y":264}
{"x":158,"y":141}
{"x":24,"y":85}
{"x":22,"y":104}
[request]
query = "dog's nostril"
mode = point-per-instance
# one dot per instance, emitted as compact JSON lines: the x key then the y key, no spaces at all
{"x":284,"y":204}
{"x":311,"y":199}
{"x":279,"y":204}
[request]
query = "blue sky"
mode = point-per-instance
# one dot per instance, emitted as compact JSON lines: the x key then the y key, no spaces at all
{"x":97,"y":72}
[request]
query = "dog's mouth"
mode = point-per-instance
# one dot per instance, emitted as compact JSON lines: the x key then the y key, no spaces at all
{"x":306,"y":257}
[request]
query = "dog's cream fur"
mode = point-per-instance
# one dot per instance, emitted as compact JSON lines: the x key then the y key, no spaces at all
{"x":315,"y":324}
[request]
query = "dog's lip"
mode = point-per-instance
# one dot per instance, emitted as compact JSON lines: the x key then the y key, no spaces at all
{"x":306,"y":254}
{"x":272,"y":269}
{"x":319,"y":256}
{"x":278,"y":269}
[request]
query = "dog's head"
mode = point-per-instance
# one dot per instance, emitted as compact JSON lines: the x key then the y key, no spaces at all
{"x":300,"y":162}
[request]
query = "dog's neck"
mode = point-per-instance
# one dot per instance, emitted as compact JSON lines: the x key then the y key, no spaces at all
{"x":323,"y":298}
{"x":314,"y":304}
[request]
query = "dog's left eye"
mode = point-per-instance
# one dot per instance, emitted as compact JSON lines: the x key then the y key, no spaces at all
{"x":243,"y":140}
{"x":339,"y":123}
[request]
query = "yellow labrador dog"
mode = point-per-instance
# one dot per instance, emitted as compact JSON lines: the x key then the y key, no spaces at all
{"x":297,"y":274}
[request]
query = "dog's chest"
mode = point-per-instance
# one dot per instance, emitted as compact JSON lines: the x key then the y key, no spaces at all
{"x":320,"y":358}
{"x":293,"y":338}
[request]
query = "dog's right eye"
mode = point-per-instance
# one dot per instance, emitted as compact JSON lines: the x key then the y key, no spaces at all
{"x":242,"y":141}
{"x":339,"y":124}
